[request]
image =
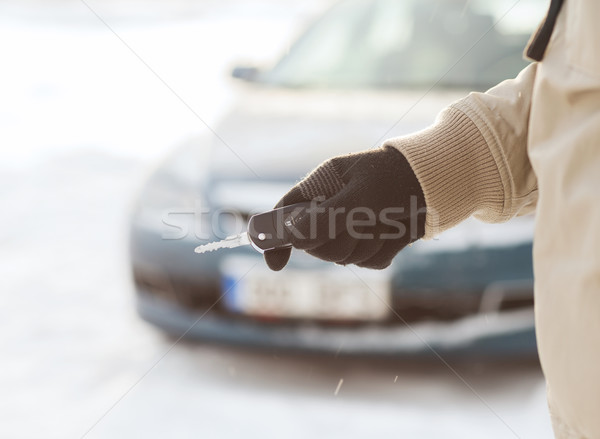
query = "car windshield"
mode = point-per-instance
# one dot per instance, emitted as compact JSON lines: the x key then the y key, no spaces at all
{"x":411,"y":43}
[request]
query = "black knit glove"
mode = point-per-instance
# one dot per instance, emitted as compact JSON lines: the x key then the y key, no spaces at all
{"x":369,"y":206}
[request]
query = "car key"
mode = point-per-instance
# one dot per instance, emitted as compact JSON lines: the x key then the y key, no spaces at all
{"x":265,"y":230}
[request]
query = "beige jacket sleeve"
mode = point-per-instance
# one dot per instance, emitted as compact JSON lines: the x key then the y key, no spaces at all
{"x":473,"y":160}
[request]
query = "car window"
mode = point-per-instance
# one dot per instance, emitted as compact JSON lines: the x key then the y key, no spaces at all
{"x":411,"y":43}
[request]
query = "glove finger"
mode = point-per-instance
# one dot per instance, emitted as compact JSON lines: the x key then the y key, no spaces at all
{"x":365,"y":248}
{"x":383,"y":258}
{"x":322,"y":223}
{"x":277,"y":259}
{"x":293,"y":196}
{"x":335,"y":250}
{"x":321,"y":183}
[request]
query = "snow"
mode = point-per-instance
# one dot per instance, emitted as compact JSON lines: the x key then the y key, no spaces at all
{"x":81,"y":120}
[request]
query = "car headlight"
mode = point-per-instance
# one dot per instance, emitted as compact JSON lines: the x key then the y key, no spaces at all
{"x":172,"y":202}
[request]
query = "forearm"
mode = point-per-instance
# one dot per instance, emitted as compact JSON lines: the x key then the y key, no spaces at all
{"x":473,"y":160}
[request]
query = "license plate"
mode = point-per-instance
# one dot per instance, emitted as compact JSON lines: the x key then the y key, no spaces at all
{"x":323,"y":294}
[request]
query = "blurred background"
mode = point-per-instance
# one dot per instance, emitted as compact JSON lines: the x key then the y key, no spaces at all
{"x":101,"y":103}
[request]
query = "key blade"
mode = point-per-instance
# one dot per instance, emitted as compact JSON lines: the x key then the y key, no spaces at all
{"x":229,"y":242}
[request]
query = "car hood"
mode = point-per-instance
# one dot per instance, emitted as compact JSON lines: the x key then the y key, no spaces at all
{"x":273,"y":133}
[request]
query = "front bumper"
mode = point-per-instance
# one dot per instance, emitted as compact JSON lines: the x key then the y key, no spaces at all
{"x":478,"y":301}
{"x":497,"y":335}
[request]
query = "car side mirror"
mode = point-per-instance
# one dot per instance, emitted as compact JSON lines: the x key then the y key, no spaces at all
{"x":245,"y":72}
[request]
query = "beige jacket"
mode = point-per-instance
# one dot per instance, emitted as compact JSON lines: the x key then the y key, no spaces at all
{"x":534,"y":143}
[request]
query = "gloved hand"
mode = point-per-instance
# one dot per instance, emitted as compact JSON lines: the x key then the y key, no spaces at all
{"x":369,"y":206}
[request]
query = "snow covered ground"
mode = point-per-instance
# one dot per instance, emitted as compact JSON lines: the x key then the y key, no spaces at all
{"x":81,"y":120}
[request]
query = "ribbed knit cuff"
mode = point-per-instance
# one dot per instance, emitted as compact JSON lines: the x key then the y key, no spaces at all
{"x":456,"y":170}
